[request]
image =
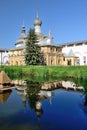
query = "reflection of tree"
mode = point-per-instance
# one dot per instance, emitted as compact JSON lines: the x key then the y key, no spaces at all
{"x":33,"y":89}
{"x":84,"y":103}
{"x":85,"y":97}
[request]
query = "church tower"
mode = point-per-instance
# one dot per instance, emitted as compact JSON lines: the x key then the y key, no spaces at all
{"x":37,"y":24}
{"x":23,"y":31}
{"x":22,"y":39}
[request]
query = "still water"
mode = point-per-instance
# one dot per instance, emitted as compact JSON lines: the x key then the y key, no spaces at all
{"x":43,"y":107}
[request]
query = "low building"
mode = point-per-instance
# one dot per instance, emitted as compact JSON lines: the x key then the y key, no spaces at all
{"x":4,"y":56}
{"x":79,"y":49}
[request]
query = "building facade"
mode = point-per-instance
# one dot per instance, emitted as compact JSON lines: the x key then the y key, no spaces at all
{"x":78,"y":49}
{"x":52,"y":53}
{"x":74,"y":53}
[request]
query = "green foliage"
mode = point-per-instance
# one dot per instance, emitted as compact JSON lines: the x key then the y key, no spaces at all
{"x":33,"y":54}
{"x":79,"y":72}
{"x":12,"y":71}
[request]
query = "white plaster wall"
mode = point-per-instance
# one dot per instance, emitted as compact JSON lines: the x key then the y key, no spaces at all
{"x":78,"y":50}
{"x":4,"y":58}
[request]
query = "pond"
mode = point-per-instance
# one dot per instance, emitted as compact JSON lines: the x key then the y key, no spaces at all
{"x":43,"y":106}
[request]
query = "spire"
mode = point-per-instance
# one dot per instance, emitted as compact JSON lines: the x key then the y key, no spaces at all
{"x":49,"y":34}
{"x":36,"y":12}
{"x":23,"y":31}
{"x":50,"y":38}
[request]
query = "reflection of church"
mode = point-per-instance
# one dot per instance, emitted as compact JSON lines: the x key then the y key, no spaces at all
{"x":33,"y":102}
{"x":5,"y":96}
{"x":52,"y":53}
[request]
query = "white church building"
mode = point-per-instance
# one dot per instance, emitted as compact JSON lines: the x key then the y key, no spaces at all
{"x":78,"y":49}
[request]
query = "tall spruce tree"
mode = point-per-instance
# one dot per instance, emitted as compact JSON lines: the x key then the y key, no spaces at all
{"x":33,"y":54}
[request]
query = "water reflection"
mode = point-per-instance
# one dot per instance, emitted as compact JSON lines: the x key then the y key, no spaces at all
{"x":36,"y":92}
{"x":84,"y":101}
{"x":33,"y":90}
{"x":46,"y":104}
{"x":47,"y":85}
{"x":4,"y":96}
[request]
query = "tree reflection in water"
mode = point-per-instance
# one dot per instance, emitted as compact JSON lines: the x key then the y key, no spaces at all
{"x":33,"y":90}
{"x":84,"y":102}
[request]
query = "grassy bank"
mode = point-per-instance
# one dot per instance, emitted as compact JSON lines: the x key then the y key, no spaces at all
{"x":47,"y":71}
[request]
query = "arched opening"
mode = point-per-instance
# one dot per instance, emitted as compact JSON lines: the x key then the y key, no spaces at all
{"x":69,"y":62}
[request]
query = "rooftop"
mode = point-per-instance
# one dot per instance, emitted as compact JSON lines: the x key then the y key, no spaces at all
{"x":74,"y":43}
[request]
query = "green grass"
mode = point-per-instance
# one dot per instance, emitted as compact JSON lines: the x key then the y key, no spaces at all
{"x":79,"y":72}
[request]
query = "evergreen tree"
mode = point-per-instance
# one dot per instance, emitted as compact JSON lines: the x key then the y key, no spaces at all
{"x":33,"y":54}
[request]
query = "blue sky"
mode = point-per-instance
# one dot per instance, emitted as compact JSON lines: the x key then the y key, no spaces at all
{"x":67,"y":19}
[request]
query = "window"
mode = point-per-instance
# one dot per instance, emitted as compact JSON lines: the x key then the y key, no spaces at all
{"x":69,"y":62}
{"x":78,"y":62}
{"x":84,"y":59}
{"x":63,"y":58}
{"x":51,"y":49}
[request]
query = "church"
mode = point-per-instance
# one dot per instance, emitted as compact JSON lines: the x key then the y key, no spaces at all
{"x":74,"y":53}
{"x":52,"y":53}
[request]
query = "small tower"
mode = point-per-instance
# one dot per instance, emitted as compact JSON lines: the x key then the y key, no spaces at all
{"x":23,"y":31}
{"x":37,"y":23}
{"x":22,"y":39}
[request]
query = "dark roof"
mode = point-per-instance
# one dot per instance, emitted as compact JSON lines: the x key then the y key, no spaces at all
{"x":50,"y":46}
{"x":73,"y":43}
{"x":3,"y":49}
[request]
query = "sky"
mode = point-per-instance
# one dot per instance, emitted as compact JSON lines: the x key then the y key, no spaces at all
{"x":66,"y":19}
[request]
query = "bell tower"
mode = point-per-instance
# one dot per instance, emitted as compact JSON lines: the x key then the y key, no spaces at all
{"x":37,"y":23}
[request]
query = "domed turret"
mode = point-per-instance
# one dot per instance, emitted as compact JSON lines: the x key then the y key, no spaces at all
{"x":37,"y":23}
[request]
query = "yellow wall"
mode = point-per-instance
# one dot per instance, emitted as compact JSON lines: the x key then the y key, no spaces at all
{"x":16,"y":57}
{"x":52,"y":54}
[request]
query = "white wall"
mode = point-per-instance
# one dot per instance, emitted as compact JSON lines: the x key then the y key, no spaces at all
{"x":78,"y":50}
{"x":4,"y":57}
